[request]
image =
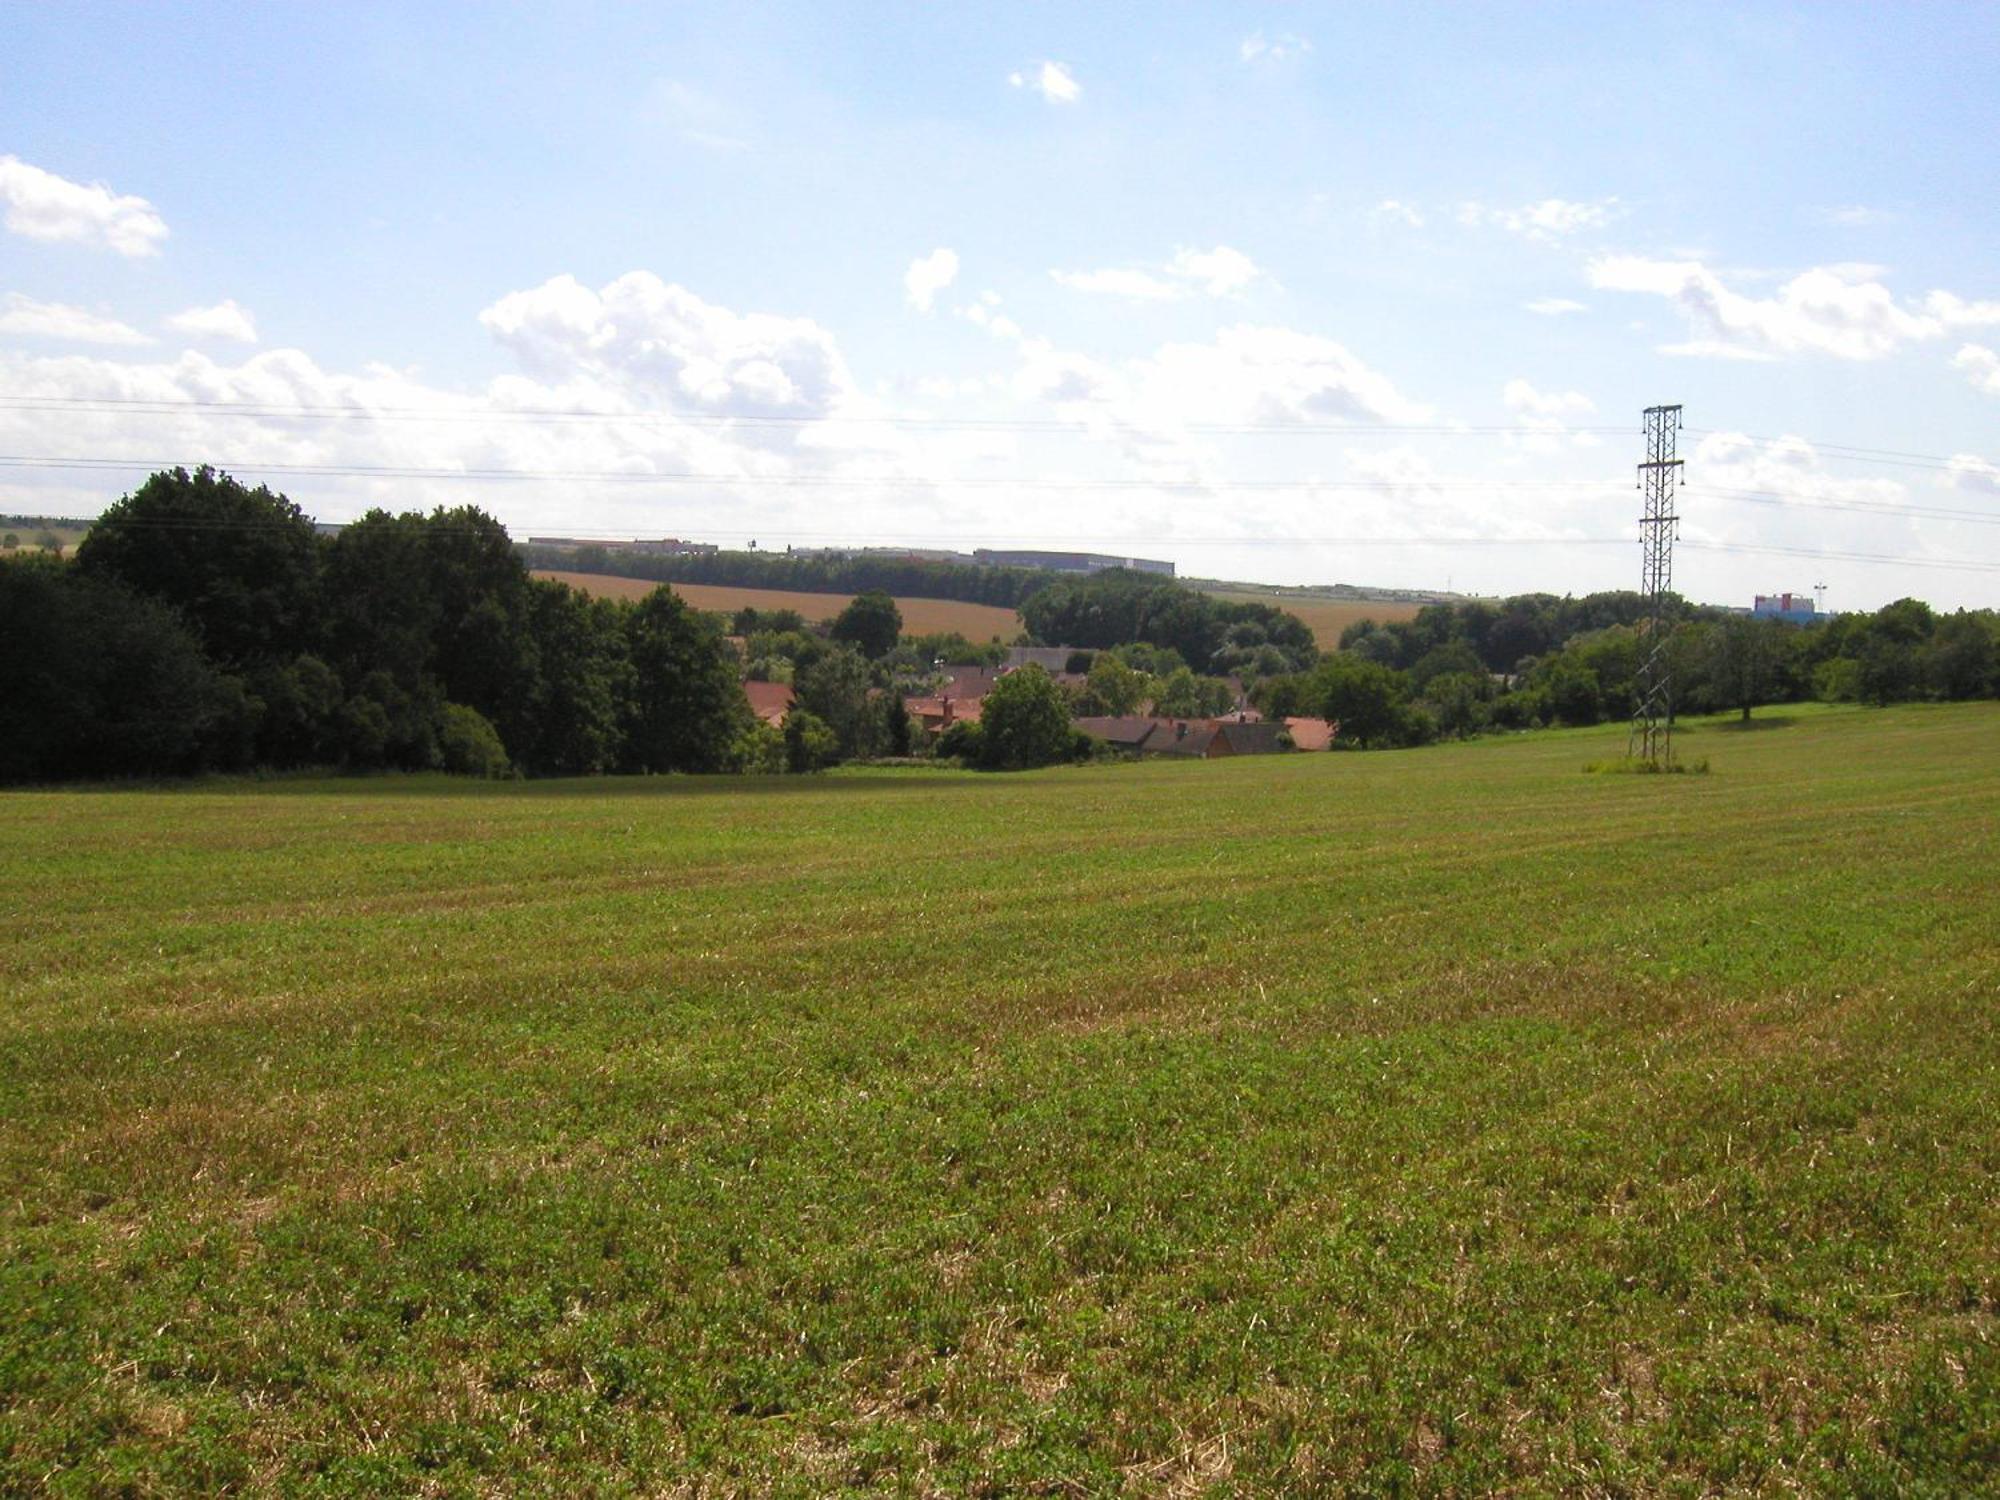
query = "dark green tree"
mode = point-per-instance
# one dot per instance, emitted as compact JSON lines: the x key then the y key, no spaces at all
{"x":241,"y":565}
{"x":1892,"y":650}
{"x":102,"y":681}
{"x":896,"y":738}
{"x":583,"y":677}
{"x":687,"y":709}
{"x":1113,"y":687}
{"x":871,"y":624}
{"x":1572,"y":691}
{"x":1460,"y":701}
{"x":300,"y":725}
{"x":1364,"y":697}
{"x":1024,"y":722}
{"x":809,"y":744}
{"x":835,"y":690}
{"x":1741,"y":662}
{"x":1960,"y":660}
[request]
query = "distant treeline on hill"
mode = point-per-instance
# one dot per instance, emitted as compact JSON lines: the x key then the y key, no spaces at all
{"x":46,"y":523}
{"x":907,"y":577}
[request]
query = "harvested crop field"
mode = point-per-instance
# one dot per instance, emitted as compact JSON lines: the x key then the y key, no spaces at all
{"x":976,"y":622}
{"x":1440,"y":1121}
{"x":1326,"y":617}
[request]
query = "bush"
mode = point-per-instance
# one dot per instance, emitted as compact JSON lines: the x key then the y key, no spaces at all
{"x":810,"y":744}
{"x":1838,"y":680}
{"x":469,"y":746}
{"x":961,"y":741}
{"x":760,"y":750}
{"x":1524,"y":708}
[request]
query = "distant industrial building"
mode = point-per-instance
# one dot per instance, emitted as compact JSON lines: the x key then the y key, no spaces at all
{"x":1797,"y":608}
{"x":1072,"y":562}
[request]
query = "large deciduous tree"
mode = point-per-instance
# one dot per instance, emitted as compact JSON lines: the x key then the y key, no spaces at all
{"x":1024,"y":722}
{"x":1365,"y":697}
{"x":241,"y":565}
{"x":871,"y":624}
{"x":687,"y":708}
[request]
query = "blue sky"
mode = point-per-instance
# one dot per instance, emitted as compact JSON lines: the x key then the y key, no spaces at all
{"x":1306,"y":294}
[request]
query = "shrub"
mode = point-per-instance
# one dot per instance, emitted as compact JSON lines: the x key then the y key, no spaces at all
{"x":468,"y":745}
{"x":810,"y":744}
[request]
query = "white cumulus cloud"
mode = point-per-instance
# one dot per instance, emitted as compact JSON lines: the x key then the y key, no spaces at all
{"x":1854,"y":216}
{"x":42,"y":206}
{"x":928,"y":275}
{"x":1052,"y":80}
{"x":1545,"y":416}
{"x":1973,"y":475}
{"x":1956,"y":312}
{"x":1255,"y":374}
{"x":1121,"y":281}
{"x":1548,"y":221}
{"x":1524,"y":400}
{"x":24,"y":317}
{"x":1981,"y":366}
{"x":1554,"y":307}
{"x":1825,"y":310}
{"x":1221,"y":272}
{"x":1395,"y":211}
{"x":644,"y":331}
{"x":227,"y":319}
{"x":1257,"y":47}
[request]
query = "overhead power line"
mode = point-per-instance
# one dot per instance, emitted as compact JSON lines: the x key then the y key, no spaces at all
{"x":1885,"y":508}
{"x":335,"y":411}
{"x":149,"y":406}
{"x":794,"y":481}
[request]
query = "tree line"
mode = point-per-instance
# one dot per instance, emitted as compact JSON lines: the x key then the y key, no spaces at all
{"x":1536,"y":660}
{"x":1215,"y":637}
{"x":204,"y":625}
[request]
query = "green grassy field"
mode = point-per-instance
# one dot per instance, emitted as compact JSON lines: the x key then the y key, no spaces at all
{"x":1447,"y":1120}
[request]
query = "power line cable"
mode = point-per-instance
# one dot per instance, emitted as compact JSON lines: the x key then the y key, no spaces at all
{"x":790,"y":481}
{"x":149,"y":406}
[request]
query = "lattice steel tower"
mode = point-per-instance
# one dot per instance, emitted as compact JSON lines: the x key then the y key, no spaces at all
{"x":1659,"y":477}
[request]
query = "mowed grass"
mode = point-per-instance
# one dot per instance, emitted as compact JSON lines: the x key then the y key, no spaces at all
{"x":976,"y":622}
{"x":1441,"y":1121}
{"x":1327,"y":618}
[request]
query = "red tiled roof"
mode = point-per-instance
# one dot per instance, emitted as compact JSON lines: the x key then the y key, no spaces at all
{"x":932,"y":710}
{"x":1312,"y":734}
{"x":769,"y":701}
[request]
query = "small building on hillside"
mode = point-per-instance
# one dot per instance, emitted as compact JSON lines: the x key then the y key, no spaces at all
{"x":970,"y":681}
{"x":938,"y":714}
